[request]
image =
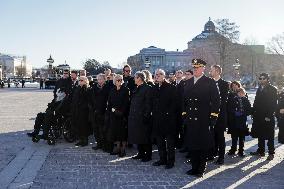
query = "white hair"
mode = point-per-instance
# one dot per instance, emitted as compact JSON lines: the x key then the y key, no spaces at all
{"x":116,"y":77}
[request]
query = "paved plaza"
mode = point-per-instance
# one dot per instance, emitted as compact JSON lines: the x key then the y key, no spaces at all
{"x":24,"y":164}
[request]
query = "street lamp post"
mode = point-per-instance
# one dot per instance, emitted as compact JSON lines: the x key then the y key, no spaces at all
{"x":237,"y":71}
{"x":50,"y":62}
{"x":147,"y":63}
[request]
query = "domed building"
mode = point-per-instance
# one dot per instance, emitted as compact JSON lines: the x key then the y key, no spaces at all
{"x":245,"y":60}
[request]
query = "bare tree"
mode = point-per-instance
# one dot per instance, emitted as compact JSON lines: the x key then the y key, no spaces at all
{"x":276,"y":44}
{"x":228,"y":35}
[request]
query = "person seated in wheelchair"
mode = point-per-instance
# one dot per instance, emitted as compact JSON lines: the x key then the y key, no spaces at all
{"x":59,"y":106}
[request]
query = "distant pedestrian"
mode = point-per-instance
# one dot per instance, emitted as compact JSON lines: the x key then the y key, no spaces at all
{"x":41,"y":83}
{"x":23,"y":83}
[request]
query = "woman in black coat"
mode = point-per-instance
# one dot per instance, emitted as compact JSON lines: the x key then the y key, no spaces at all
{"x":80,"y":112}
{"x":280,"y":117}
{"x":117,"y":110}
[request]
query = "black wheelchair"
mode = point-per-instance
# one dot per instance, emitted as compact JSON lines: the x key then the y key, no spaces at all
{"x":55,"y":122}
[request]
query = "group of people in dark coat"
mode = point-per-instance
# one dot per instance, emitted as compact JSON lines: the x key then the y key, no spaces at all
{"x":191,"y":113}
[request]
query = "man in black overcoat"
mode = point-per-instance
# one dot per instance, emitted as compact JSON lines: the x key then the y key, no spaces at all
{"x":264,"y":107}
{"x":164,"y":119}
{"x":220,"y":127}
{"x":201,"y":108}
{"x":139,"y":119}
{"x":99,"y":96}
{"x":179,"y":123}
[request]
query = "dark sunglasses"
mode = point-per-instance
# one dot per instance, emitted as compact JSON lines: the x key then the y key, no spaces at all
{"x":119,"y":80}
{"x":261,"y":78}
{"x":127,"y":70}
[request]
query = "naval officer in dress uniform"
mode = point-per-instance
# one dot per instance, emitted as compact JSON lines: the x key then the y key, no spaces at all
{"x":201,"y":103}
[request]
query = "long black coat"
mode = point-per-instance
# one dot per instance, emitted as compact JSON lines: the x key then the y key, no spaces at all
{"x":264,"y":105}
{"x":280,"y":118}
{"x":223,"y":87}
{"x":164,"y":109}
{"x":80,"y":112}
{"x":118,"y":100}
{"x":238,"y":109}
{"x":200,"y":101}
{"x":139,"y":125}
{"x":99,"y":97}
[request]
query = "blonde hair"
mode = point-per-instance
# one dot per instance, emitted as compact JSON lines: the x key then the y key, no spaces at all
{"x":148,"y":74}
{"x":85,"y":79}
{"x":117,"y":77}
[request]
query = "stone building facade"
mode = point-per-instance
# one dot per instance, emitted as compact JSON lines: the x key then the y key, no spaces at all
{"x":214,"y":49}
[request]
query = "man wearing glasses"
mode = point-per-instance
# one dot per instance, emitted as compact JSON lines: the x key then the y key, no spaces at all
{"x":264,"y":107}
{"x":128,"y":79}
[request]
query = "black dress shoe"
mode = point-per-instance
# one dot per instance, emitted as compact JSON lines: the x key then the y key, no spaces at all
{"x":169,"y":166}
{"x":138,"y":156}
{"x":32,"y":134}
{"x":158,"y":163}
{"x":231,"y":152}
{"x":84,"y":144}
{"x":241,"y":154}
{"x":96,"y":147}
{"x":114,"y":153}
{"x":188,"y":155}
{"x":210,"y":158}
{"x":199,"y":175}
{"x":122,"y":153}
{"x":192,"y":172}
{"x":183,"y":150}
{"x":220,"y":161}
{"x":262,"y":154}
{"x":78,"y":143}
{"x":146,"y":159}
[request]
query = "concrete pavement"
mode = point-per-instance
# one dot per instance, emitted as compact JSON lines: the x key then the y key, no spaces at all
{"x":24,"y":164}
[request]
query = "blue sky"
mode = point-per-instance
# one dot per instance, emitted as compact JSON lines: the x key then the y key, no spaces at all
{"x":112,"y":30}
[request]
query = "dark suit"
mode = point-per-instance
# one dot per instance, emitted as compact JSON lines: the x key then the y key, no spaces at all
{"x":221,"y":124}
{"x":201,"y":101}
{"x":179,"y":138}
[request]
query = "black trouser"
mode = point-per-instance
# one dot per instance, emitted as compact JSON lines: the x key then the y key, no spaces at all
{"x":270,"y":144}
{"x":145,"y":150}
{"x":235,"y":138}
{"x":198,"y":160}
{"x":49,"y":118}
{"x":166,"y":148}
{"x":179,"y":137}
{"x":220,"y":143}
{"x":98,"y":128}
{"x":38,"y":122}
